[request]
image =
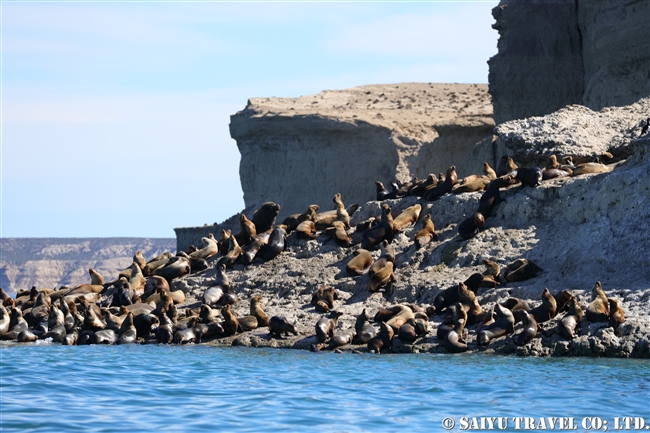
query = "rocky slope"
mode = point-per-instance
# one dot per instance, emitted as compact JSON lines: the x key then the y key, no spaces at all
{"x":52,"y":262}
{"x":552,"y":54}
{"x":579,"y":230}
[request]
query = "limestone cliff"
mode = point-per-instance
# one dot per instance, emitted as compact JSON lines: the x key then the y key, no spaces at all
{"x":552,"y":54}
{"x":52,"y":262}
{"x":301,"y":151}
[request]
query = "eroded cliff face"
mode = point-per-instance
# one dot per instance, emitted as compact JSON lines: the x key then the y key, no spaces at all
{"x":552,"y":54}
{"x":301,"y":151}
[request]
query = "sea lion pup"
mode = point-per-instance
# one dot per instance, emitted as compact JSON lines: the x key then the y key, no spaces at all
{"x":247,"y":230}
{"x":520,"y":270}
{"x":454,"y":341}
{"x":503,"y":325}
{"x":326,"y":325}
{"x":323,"y":298}
{"x":234,"y":251}
{"x":547,"y":310}
{"x":127,"y":333}
{"x":445,"y":187}
{"x":291,"y":222}
{"x":530,"y":328}
{"x":616,"y":313}
{"x":364,"y":330}
{"x":598,"y":309}
{"x":382,"y":192}
{"x":383,"y":341}
{"x":176,"y":267}
{"x":490,"y":277}
{"x":276,"y":243}
{"x":340,"y":235}
{"x":426,"y":233}
{"x":230,"y":323}
{"x":306,"y":230}
{"x":571,"y":320}
{"x":96,"y":278}
{"x":552,"y":163}
{"x":264,"y":217}
{"x":591,"y":168}
{"x":419,"y":189}
{"x":280,"y":325}
{"x":531,"y":176}
{"x":383,"y":231}
{"x":471,"y":226}
{"x":360,"y":263}
{"x":210,"y":248}
{"x":478,"y":184}
{"x":381,"y":278}
{"x":408,"y":217}
{"x":257,"y":311}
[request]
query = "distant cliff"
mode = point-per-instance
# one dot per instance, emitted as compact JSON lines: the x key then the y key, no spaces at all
{"x":53,"y":262}
{"x":556,"y":53}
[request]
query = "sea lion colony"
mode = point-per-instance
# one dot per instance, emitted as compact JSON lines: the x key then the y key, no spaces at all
{"x":140,"y":306}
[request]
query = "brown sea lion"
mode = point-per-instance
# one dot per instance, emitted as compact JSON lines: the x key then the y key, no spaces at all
{"x":547,"y":310}
{"x":306,"y":230}
{"x":454,"y":341}
{"x":445,"y":187}
{"x":223,"y":242}
{"x":96,"y":278}
{"x":490,"y":276}
{"x":470,"y":227}
{"x":365,"y":225}
{"x":503,"y":325}
{"x":521,"y":270}
{"x":530,"y":328}
{"x":176,"y":267}
{"x":381,"y":278}
{"x":468,"y":299}
{"x":127,"y":333}
{"x":340,"y":235}
{"x":401,"y":316}
{"x":478,"y":184}
{"x":421,"y":188}
{"x":210,"y":248}
{"x":139,"y":259}
{"x":562,"y":299}
{"x":257,"y":311}
{"x":264,"y":217}
{"x":247,"y":230}
{"x":616,"y":313}
{"x":426,"y":233}
{"x":571,"y":320}
{"x":234,"y":251}
{"x":279,"y":326}
{"x":383,"y":341}
{"x":407,"y":217}
{"x":230,"y":324}
{"x":324,"y":295}
{"x":247,"y":323}
{"x":292,"y":221}
{"x":590,"y":168}
{"x":383,"y":231}
{"x":360,"y":263}
{"x":598,"y":309}
{"x":364,"y":330}
{"x":488,"y":171}
{"x":554,"y":173}
{"x":326,"y":325}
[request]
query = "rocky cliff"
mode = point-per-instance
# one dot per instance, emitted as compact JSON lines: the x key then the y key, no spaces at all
{"x":551,"y":54}
{"x":52,"y":262}
{"x":301,"y":151}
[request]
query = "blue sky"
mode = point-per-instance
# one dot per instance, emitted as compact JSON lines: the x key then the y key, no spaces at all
{"x":115,"y":115}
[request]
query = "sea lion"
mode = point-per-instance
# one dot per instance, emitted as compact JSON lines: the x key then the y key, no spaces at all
{"x":127,"y":333}
{"x":490,"y":276}
{"x":530,"y":328}
{"x":250,"y":250}
{"x":176,"y":267}
{"x":186,"y":336}
{"x":247,"y":323}
{"x":306,"y":230}
{"x":153,"y":265}
{"x":454,"y":314}
{"x":471,"y":226}
{"x":210,"y":248}
{"x":383,"y":341}
{"x":139,"y":259}
{"x":340,"y":235}
{"x":276,"y":243}
{"x":562,"y":299}
{"x":402,"y":315}
{"x":207,"y":330}
{"x":616,"y":313}
{"x":382,"y":192}
{"x":491,"y":196}
{"x":92,"y":322}
{"x":104,"y":336}
{"x":547,"y":310}
{"x":515,"y":304}
{"x":234,"y":251}
{"x":467,"y":298}
{"x":554,"y":173}
{"x":230,"y":323}
{"x":478,"y":184}
{"x":426,"y":233}
{"x":531,"y":176}
{"x":247,"y":230}
{"x":521,"y":270}
{"x":212,"y":295}
{"x":381,"y":278}
{"x":71,"y":337}
{"x":279,"y":326}
{"x":571,"y":320}
{"x":257,"y":311}
{"x":454,"y":341}
{"x":4,"y":320}
{"x":421,"y":188}
{"x":364,"y":330}
{"x":145,"y":323}
{"x":326,"y":325}
{"x":360,"y":263}
{"x":323,"y":298}
{"x":291,"y":222}
{"x":590,"y":168}
{"x":264,"y":217}
{"x":165,"y":330}
{"x":407,"y":217}
{"x":96,"y":278}
{"x":503,"y":325}
{"x":340,"y":339}
{"x":488,"y":171}
{"x":598,"y":309}
{"x":383,"y":231}
{"x":224,"y":237}
{"x":445,"y":187}
{"x":365,"y":225}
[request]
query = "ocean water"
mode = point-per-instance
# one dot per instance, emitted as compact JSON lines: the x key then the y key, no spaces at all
{"x":54,"y":388}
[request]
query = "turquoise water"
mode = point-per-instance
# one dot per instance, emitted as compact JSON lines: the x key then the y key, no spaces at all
{"x":58,"y":388}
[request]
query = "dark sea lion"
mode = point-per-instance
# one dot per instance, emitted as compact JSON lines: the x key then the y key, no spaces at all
{"x":228,"y":299}
{"x":421,"y":188}
{"x":598,"y":309}
{"x":257,"y":311}
{"x":530,"y":176}
{"x":521,"y":270}
{"x":291,"y":222}
{"x":381,"y":278}
{"x":224,"y":237}
{"x":4,"y":320}
{"x":471,"y":226}
{"x":502,"y":168}
{"x":407,"y":333}
{"x":454,"y":314}
{"x":407,"y":217}
{"x":165,"y":330}
{"x":364,"y":330}
{"x":104,"y":336}
{"x":490,"y":276}
{"x":426,"y":233}
{"x":365,"y":225}
{"x":176,"y":267}
{"x":145,"y":323}
{"x":562,"y":299}
{"x":383,"y":341}
{"x":571,"y":320}
{"x":383,"y":231}
{"x":445,"y":187}
{"x":360,"y":263}
{"x":326,"y":325}
{"x":554,"y":173}
{"x":454,"y":341}
{"x":230,"y":323}
{"x":616,"y":313}
{"x":250,"y":250}
{"x":186,"y":336}
{"x":515,"y":304}
{"x":71,"y":337}
{"x":112,"y":321}
{"x":503,"y":325}
{"x":127,"y":333}
{"x":153,"y":265}
{"x":264,"y":217}
{"x":234,"y":251}
{"x":530,"y":328}
{"x":341,"y":339}
{"x":491,"y":196}
{"x":547,"y":310}
{"x":382,"y":192}
{"x":205,"y":331}
{"x":279,"y":326}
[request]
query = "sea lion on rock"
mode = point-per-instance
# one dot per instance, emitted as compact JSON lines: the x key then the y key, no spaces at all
{"x":471,"y":226}
{"x":264,"y":217}
{"x":323,"y":298}
{"x":326,"y":325}
{"x":426,"y":233}
{"x":360,"y":263}
{"x":250,"y":250}
{"x":279,"y":326}
{"x":247,"y":230}
{"x":478,"y":184}
{"x":210,"y":248}
{"x":616,"y":313}
{"x":530,"y":328}
{"x":127,"y":332}
{"x":306,"y":230}
{"x":381,"y":278}
{"x":364,"y":330}
{"x":531,"y":176}
{"x":176,"y":267}
{"x":234,"y":251}
{"x":230,"y":323}
{"x":591,"y":168}
{"x":401,"y":316}
{"x":383,"y":231}
{"x":521,"y":270}
{"x":291,"y":222}
{"x":257,"y":311}
{"x":598,"y":309}
{"x":383,"y":341}
{"x":571,"y":320}
{"x":491,"y":196}
{"x":407,"y":217}
{"x":96,"y":278}
{"x":454,"y":341}
{"x":445,"y":187}
{"x":547,"y":310}
{"x":503,"y":325}
{"x":247,"y":323}
{"x":420,"y":189}
{"x":212,"y":295}
{"x":554,"y":173}
{"x":382,"y":192}
{"x":276,"y":243}
{"x":340,"y":235}
{"x":490,"y":276}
